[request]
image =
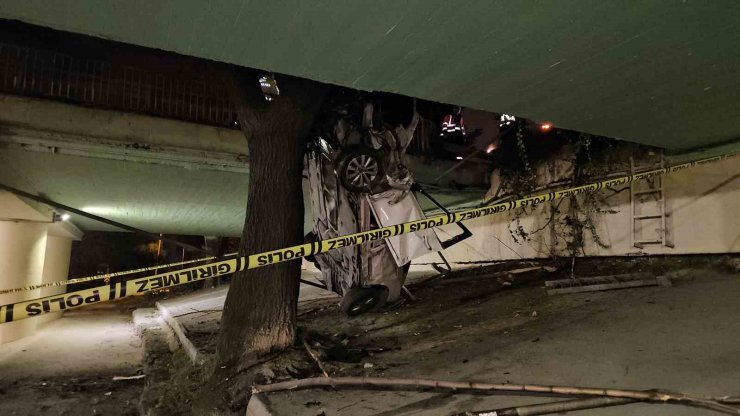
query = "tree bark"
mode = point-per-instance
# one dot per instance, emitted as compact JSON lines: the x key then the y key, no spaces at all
{"x":260,"y":310}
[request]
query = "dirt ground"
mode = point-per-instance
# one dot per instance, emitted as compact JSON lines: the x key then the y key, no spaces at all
{"x":68,"y":396}
{"x":682,"y":338}
{"x":67,"y":366}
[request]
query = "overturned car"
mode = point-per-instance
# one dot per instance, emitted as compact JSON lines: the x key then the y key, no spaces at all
{"x":358,"y":181}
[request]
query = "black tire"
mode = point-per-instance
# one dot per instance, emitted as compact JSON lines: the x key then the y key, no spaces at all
{"x":360,"y":168}
{"x":363,"y":299}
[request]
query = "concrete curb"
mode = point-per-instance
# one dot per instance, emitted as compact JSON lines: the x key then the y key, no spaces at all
{"x":181,"y":334}
{"x":258,"y":405}
{"x":158,"y":342}
{"x":145,"y":318}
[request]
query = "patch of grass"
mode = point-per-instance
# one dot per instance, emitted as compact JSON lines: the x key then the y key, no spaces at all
{"x":176,"y":392}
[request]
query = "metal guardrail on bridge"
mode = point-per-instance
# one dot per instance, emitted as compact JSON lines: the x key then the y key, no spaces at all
{"x":182,"y":95}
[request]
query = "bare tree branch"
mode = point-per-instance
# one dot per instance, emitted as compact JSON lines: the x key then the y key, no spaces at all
{"x":553,"y":407}
{"x":653,"y":396}
{"x":315,"y":358}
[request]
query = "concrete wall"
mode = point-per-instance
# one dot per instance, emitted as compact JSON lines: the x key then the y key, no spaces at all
{"x":34,"y":249}
{"x":56,"y":268}
{"x":152,"y":173}
{"x":22,"y":248}
{"x":703,"y":205}
{"x":116,"y":126}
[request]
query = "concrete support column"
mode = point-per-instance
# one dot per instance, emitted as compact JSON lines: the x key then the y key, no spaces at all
{"x":22,"y":248}
{"x":56,"y":268}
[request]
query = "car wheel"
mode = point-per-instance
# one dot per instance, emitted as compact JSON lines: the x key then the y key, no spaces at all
{"x":360,"y":168}
{"x":363,"y":299}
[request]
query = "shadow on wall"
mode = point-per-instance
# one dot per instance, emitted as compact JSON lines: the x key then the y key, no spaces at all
{"x":712,"y":190}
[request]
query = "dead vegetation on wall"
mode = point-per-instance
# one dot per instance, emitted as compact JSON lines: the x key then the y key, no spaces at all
{"x":528,"y":164}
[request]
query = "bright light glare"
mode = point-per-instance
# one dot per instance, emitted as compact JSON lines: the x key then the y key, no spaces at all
{"x":97,"y":210}
{"x":491,"y":147}
{"x":506,"y":119}
{"x":65,"y":217}
{"x":459,"y":158}
{"x":546,"y":127}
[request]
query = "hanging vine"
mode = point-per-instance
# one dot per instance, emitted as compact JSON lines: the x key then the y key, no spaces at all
{"x":578,"y":224}
{"x":586,"y":209}
{"x":521,"y":180}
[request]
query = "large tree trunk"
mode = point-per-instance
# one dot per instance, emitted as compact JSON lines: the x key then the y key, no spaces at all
{"x":260,"y":310}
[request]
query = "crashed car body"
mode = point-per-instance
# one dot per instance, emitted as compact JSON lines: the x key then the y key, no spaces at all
{"x":358,"y":182}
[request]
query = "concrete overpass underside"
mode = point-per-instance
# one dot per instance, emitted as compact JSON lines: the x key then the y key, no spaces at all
{"x":653,"y":72}
{"x":657,"y":72}
{"x":159,"y":175}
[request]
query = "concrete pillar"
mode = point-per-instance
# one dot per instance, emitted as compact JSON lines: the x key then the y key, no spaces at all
{"x":34,"y":249}
{"x":56,"y":268}
{"x":22,"y":248}
{"x":57,"y":256}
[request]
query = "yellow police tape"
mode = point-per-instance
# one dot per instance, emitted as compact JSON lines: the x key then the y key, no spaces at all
{"x":108,"y":275}
{"x":142,"y":285}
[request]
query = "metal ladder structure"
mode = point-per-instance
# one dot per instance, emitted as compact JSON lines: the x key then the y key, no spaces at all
{"x":643,"y":193}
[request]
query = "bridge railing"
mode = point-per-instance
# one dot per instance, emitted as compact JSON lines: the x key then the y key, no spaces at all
{"x":114,"y":85}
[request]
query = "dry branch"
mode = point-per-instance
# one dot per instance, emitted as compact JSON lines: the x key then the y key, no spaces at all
{"x":553,"y":407}
{"x":315,"y":358}
{"x":654,"y":396}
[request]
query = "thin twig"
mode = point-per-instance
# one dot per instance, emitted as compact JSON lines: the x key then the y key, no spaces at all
{"x":419,"y":384}
{"x":204,"y":311}
{"x":315,"y":358}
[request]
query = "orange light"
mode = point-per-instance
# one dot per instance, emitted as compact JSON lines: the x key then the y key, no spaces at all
{"x":491,"y":147}
{"x":546,"y":127}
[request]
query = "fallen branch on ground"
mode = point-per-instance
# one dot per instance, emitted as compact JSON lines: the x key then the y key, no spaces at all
{"x":553,"y":407}
{"x":204,"y":311}
{"x":654,"y":396}
{"x":315,"y":358}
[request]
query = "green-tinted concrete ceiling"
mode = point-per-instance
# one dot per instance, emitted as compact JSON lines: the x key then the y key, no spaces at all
{"x":664,"y":72}
{"x":155,"y":198}
{"x":152,"y":197}
{"x":188,"y":179}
